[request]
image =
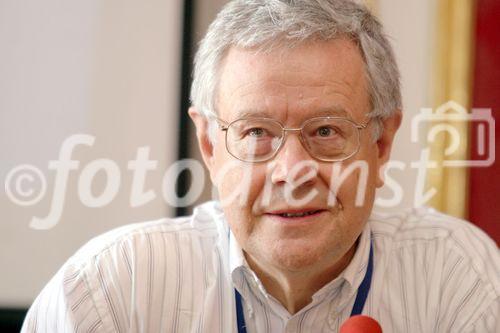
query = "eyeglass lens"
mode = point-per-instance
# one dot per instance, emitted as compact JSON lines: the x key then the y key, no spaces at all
{"x":330,"y":139}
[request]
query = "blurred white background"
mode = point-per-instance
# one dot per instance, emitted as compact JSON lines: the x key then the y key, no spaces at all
{"x":110,"y":69}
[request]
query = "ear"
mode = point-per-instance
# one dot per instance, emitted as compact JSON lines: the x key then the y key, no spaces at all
{"x":384,"y":143}
{"x":206,"y":147}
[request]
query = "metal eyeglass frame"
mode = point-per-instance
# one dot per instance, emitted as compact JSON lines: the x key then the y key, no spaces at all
{"x":224,"y":126}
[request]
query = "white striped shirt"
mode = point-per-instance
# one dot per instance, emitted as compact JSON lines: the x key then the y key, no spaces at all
{"x":432,"y":273}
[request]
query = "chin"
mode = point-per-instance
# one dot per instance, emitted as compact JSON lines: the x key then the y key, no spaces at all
{"x":294,"y":257}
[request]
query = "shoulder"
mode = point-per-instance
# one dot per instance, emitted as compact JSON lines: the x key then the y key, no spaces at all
{"x":434,"y":239}
{"x":421,"y":225}
{"x":129,"y":268}
{"x":133,"y":239}
{"x":448,"y":261}
{"x":426,"y":227}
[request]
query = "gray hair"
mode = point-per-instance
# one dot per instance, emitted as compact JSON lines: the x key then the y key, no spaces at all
{"x":269,"y":23}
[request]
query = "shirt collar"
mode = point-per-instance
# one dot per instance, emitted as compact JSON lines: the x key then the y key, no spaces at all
{"x":238,"y":265}
{"x":236,"y":258}
{"x":355,"y":271}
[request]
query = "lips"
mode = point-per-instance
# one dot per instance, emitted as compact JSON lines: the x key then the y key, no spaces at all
{"x":291,"y":214}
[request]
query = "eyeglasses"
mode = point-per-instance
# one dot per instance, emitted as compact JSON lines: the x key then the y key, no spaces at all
{"x":329,"y":139}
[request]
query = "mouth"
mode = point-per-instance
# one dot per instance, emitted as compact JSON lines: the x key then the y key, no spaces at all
{"x":296,"y":215}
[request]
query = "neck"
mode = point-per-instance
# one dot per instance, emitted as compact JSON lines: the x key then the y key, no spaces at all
{"x":294,"y":289}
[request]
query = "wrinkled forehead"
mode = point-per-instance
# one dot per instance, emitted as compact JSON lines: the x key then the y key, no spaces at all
{"x":309,"y":79}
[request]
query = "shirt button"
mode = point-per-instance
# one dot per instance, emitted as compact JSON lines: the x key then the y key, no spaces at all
{"x":250,"y":312}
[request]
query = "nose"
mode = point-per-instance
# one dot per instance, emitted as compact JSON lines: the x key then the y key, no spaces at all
{"x":293,"y":162}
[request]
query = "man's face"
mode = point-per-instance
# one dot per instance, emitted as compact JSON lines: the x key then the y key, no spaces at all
{"x":292,"y":86}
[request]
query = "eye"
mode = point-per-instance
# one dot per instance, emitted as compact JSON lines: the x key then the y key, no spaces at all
{"x":326,"y":131}
{"x":255,"y":132}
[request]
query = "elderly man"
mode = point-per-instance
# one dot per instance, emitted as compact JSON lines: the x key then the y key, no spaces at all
{"x":296,"y":105}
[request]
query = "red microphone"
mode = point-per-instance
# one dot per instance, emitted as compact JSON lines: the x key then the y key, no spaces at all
{"x":360,"y":324}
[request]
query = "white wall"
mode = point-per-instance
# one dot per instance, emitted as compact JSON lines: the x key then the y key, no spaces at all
{"x":105,"y":68}
{"x":409,"y":25}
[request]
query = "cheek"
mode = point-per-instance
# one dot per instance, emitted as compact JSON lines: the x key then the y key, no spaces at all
{"x":356,"y":186}
{"x":239,"y":188}
{"x":238,"y":183}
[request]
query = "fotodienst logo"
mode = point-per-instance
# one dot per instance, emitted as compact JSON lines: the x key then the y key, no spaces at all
{"x":26,"y":184}
{"x":447,"y":119}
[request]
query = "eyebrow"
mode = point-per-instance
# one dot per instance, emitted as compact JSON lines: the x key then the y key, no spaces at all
{"x":334,"y":111}
{"x":249,"y":113}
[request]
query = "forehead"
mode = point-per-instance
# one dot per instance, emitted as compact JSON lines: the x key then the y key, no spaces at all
{"x":311,"y":78}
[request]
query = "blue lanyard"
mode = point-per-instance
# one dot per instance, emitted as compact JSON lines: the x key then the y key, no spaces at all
{"x":359,"y":303}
